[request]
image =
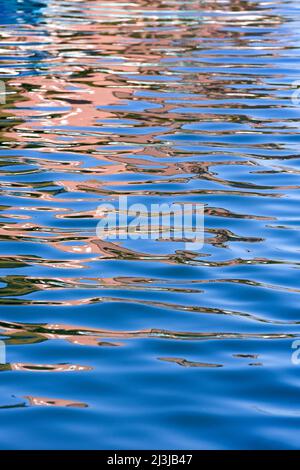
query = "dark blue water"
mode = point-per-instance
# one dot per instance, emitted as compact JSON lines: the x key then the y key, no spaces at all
{"x":132,"y":345}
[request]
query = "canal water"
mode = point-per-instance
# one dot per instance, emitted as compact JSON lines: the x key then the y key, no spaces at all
{"x":138,"y":344}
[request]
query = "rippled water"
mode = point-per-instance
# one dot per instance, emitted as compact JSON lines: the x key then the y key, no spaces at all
{"x":136,"y":344}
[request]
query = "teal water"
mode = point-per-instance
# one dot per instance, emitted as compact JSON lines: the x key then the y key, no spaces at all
{"x":138,"y":344}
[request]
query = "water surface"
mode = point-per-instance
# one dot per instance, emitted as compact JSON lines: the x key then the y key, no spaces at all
{"x":146,"y":344}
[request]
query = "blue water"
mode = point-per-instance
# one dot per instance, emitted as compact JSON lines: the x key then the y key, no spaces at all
{"x":139,"y":344}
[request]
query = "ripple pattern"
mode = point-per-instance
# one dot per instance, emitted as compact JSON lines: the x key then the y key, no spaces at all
{"x":146,"y":344}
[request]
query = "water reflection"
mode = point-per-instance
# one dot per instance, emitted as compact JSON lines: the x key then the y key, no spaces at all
{"x":180,"y":101}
